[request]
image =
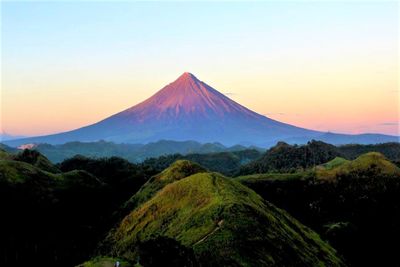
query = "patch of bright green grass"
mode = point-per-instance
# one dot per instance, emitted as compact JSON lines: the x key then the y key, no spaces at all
{"x":19,"y":172}
{"x":178,"y":170}
{"x":371,"y":163}
{"x":255,"y":178}
{"x":336,"y":162}
{"x":225,"y":223}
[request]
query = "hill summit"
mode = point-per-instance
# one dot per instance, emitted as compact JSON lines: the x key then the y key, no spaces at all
{"x":220,"y":220}
{"x":189,"y":109}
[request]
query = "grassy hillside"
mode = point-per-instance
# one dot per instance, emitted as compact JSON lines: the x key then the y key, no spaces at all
{"x":185,"y":215}
{"x":260,"y":178}
{"x":4,"y":154}
{"x":53,"y":219}
{"x":292,"y":158}
{"x":366,"y":165}
{"x":178,"y":170}
{"x":36,"y":159}
{"x":288,"y":158}
{"x":336,"y":162}
{"x":14,"y":173}
{"x":353,"y":204}
{"x":225,"y":223}
{"x":47,"y":214}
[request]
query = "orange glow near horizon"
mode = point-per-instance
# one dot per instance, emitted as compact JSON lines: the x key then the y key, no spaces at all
{"x":364,"y":108}
{"x":329,"y":67}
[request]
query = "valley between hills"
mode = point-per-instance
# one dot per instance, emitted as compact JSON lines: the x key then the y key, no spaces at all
{"x":291,"y":205}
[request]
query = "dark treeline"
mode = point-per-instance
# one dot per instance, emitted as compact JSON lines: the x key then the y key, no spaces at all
{"x":231,"y":161}
{"x":290,"y":158}
{"x":358,"y":213}
{"x":132,"y":152}
{"x":227,"y":163}
{"x":58,"y":219}
{"x":353,"y":204}
{"x":56,"y":215}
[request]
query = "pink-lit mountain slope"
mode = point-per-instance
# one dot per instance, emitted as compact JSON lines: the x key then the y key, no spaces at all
{"x":189,"y":109}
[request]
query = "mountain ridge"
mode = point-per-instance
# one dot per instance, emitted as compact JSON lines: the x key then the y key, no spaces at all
{"x":189,"y":109}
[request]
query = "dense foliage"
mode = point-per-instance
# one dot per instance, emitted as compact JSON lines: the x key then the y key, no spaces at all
{"x":36,"y":159}
{"x":227,"y":163}
{"x":60,"y":215}
{"x":58,"y":219}
{"x":290,"y":158}
{"x":390,"y":150}
{"x":133,"y":152}
{"x":355,"y":205}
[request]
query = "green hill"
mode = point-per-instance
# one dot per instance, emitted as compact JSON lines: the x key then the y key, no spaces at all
{"x":366,"y":165}
{"x":178,"y":170}
{"x":49,"y":214}
{"x":352,"y":204}
{"x":336,"y":162}
{"x":36,"y":159}
{"x":32,"y":157}
{"x":224,"y":222}
{"x":4,"y":154}
{"x":284,"y":157}
{"x":18,"y":172}
{"x":15,"y":172}
{"x":372,"y":163}
{"x":287,"y":158}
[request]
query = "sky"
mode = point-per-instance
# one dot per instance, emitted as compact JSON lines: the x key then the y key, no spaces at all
{"x":328,"y":66}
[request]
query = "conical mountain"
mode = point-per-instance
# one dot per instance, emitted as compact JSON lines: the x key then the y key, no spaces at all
{"x":187,"y":98}
{"x":188,"y":109}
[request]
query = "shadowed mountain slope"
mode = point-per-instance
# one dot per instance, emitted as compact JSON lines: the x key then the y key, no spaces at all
{"x":189,"y":109}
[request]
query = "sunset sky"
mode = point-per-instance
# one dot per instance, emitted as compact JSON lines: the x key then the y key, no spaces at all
{"x":329,"y":66}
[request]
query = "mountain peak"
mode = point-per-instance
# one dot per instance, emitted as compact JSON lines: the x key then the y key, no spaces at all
{"x":190,"y":109}
{"x":187,"y":77}
{"x":188,"y":97}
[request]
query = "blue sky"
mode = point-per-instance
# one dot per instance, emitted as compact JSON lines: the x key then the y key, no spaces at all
{"x":284,"y":58}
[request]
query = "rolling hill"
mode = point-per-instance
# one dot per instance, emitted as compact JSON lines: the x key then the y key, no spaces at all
{"x":188,"y":216}
{"x":284,"y":157}
{"x":354,"y":204}
{"x":223,"y":222}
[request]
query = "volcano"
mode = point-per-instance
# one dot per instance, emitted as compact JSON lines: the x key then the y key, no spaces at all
{"x":189,"y":109}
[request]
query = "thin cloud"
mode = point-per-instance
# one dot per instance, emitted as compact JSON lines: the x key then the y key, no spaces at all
{"x":389,"y":124}
{"x":272,"y":114}
{"x":230,"y":94}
